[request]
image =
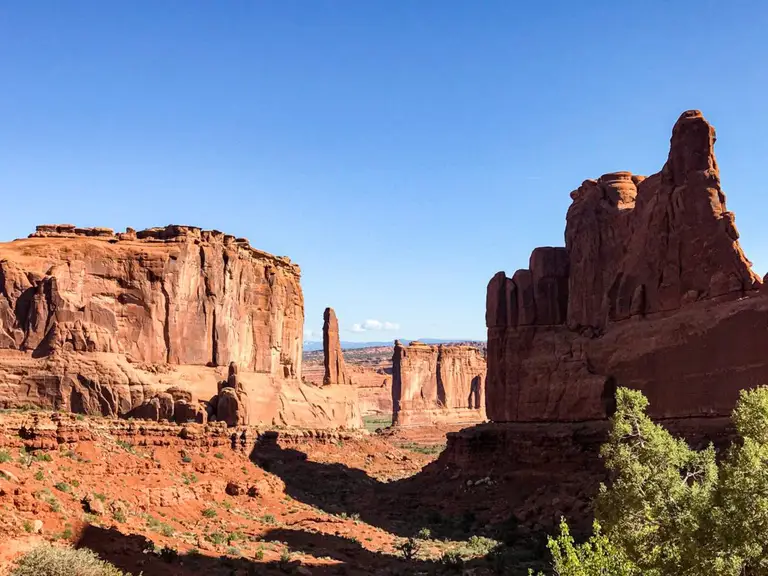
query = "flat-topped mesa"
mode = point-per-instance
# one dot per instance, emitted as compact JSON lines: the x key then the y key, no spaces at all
{"x":144,"y":324}
{"x":333,"y":357}
{"x":437,"y":384}
{"x":177,"y":295}
{"x":660,"y":248}
{"x":170,"y":233}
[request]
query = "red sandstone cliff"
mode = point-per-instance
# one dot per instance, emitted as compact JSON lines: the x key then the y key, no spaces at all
{"x":651,"y":291}
{"x":333,"y":358}
{"x":437,"y":384}
{"x":99,"y":322}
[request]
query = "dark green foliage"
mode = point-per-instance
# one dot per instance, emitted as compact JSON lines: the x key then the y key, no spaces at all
{"x":673,"y":511}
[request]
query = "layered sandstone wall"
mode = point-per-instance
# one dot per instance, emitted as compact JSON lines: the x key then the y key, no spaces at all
{"x":437,"y":384}
{"x":176,"y":295}
{"x":651,"y":291}
{"x":104,"y":323}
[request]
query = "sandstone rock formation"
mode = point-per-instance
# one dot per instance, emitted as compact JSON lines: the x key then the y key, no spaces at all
{"x":177,"y":295}
{"x":651,"y":291}
{"x":373,"y":384}
{"x":103,"y":323}
{"x":437,"y":384}
{"x":333,"y":357}
{"x":232,"y":400}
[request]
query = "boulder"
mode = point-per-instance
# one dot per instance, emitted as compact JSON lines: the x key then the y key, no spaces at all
{"x":230,"y":409}
{"x":184,"y":412}
{"x":159,"y":407}
{"x":178,"y":393}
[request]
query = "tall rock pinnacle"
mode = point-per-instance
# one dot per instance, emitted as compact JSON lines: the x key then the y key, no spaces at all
{"x":333,"y":359}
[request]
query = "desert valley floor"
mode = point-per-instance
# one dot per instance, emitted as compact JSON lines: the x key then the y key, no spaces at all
{"x":161,"y":499}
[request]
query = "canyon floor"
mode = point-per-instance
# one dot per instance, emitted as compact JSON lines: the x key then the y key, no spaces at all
{"x":161,"y":499}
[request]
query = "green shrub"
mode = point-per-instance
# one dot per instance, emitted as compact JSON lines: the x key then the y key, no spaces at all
{"x":673,"y":511}
{"x":127,"y":446}
{"x":209,"y":513}
{"x":429,"y":449}
{"x":216,"y":538}
{"x":409,"y":549}
{"x":188,"y":479}
{"x":5,"y":456}
{"x":49,"y":560}
{"x":452,"y":559}
{"x":63,"y":487}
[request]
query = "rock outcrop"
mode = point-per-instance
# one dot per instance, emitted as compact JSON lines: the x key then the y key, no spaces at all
{"x":333,"y":357}
{"x":176,"y":295}
{"x":651,"y":291}
{"x":102,"y":323}
{"x":437,"y":384}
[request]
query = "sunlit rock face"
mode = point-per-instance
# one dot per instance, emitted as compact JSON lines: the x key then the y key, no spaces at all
{"x":651,"y":291}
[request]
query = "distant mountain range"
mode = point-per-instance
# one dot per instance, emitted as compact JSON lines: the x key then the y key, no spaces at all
{"x":312,"y":345}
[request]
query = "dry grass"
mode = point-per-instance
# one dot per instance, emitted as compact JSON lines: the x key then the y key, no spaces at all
{"x":49,"y":560}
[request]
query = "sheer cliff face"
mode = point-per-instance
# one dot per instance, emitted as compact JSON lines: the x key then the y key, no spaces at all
{"x":175,"y":295}
{"x":437,"y":384}
{"x":645,"y":294}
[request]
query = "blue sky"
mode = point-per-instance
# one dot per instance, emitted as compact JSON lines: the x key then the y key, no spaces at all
{"x":400,"y":151}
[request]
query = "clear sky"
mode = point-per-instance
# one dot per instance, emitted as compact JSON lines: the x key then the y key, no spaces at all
{"x":401,"y":151}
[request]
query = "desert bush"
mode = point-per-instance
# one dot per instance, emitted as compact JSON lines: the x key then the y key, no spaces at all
{"x":452,"y":559}
{"x":409,"y":548}
{"x":216,"y":537}
{"x":63,"y":487}
{"x":674,"y":511}
{"x":49,"y":560}
{"x":42,"y":457}
{"x":127,"y":446}
{"x":209,"y":513}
